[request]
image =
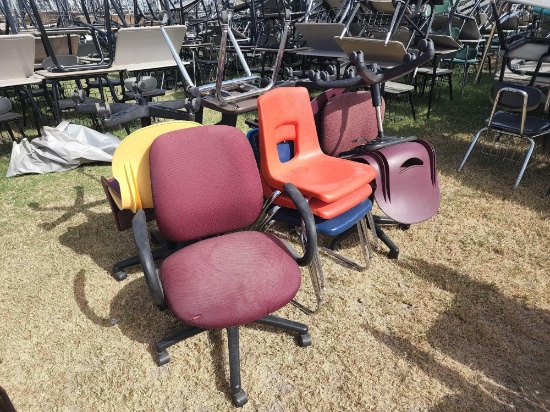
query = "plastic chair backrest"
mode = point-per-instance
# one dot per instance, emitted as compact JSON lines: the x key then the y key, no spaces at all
{"x":285,"y":114}
{"x":17,"y":51}
{"x":466,"y":54}
{"x":146,"y":45}
{"x":514,"y":101}
{"x":60,"y":46}
{"x":131,"y":165}
{"x":443,"y":8}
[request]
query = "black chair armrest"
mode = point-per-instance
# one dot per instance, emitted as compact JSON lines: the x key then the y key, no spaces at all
{"x":310,"y":248}
{"x":141,"y":238}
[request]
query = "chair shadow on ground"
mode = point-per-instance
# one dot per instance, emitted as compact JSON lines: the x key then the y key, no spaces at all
{"x":133,"y":312}
{"x":505,"y":343}
{"x":132,"y":309}
{"x":96,"y":237}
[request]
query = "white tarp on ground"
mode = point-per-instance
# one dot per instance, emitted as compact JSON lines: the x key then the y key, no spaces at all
{"x":62,"y":148}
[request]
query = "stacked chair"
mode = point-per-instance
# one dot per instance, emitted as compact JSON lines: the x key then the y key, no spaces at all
{"x":407,"y":186}
{"x":206,"y":191}
{"x":129,"y":190}
{"x":337,"y":190}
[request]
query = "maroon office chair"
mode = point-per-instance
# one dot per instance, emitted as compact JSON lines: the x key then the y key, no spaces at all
{"x":206,"y":185}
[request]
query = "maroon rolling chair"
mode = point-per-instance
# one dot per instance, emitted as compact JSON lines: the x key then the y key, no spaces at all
{"x":206,"y":185}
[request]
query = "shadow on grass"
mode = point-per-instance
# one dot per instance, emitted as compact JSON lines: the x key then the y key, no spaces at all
{"x":96,"y":237}
{"x":133,"y":312}
{"x":506,"y":342}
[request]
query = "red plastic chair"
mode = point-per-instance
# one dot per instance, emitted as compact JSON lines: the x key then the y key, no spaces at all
{"x":285,"y":114}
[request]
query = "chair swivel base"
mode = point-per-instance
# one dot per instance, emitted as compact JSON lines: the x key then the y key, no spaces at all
{"x":238,"y":395}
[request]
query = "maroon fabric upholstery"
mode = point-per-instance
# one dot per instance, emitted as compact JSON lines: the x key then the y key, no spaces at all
{"x":216,"y":189}
{"x":230,"y":280}
{"x":347,"y":117}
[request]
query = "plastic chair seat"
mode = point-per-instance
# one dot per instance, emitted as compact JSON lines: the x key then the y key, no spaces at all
{"x":328,"y":227}
{"x":6,"y":117}
{"x":323,"y":177}
{"x":323,"y":209}
{"x":511,"y":122}
{"x":230,"y":280}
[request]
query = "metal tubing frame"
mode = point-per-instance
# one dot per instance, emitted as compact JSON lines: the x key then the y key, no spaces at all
{"x":176,"y":56}
{"x":256,"y":91}
{"x":49,"y":50}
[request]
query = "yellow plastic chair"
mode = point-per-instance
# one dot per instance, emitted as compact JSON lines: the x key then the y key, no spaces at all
{"x":131,"y":165}
{"x":129,"y":190}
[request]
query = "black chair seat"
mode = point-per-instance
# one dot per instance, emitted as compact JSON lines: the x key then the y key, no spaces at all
{"x":6,"y":117}
{"x":511,"y":122}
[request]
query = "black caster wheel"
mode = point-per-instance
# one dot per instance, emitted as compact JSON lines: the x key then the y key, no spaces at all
{"x":393,"y":254}
{"x":119,"y":275}
{"x":404,"y":227}
{"x":162,"y":358}
{"x":304,"y":340}
{"x":240,"y":398}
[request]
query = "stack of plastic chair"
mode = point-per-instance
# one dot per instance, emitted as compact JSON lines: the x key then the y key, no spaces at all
{"x":407,"y":186}
{"x":337,"y":190}
{"x":129,"y":190}
{"x":207,"y":190}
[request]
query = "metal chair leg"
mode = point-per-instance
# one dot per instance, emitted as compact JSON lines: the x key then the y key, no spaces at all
{"x":470,"y":148}
{"x":524,"y":165}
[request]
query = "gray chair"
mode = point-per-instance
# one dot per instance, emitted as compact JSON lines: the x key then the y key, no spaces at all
{"x":7,"y":117}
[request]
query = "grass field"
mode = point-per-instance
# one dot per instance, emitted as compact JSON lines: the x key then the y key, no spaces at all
{"x":460,"y":322}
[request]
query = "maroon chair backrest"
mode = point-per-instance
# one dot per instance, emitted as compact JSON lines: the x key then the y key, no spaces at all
{"x":346,"y":118}
{"x":204,"y":182}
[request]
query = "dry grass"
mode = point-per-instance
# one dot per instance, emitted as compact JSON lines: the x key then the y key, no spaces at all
{"x":460,"y":322}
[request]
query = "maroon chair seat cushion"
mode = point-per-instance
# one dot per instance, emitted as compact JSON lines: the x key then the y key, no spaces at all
{"x":230,"y":280}
{"x":193,"y":198}
{"x":346,"y":118}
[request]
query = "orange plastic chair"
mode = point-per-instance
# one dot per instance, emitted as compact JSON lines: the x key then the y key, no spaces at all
{"x":320,"y":208}
{"x":315,"y":174}
{"x":332,"y":185}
